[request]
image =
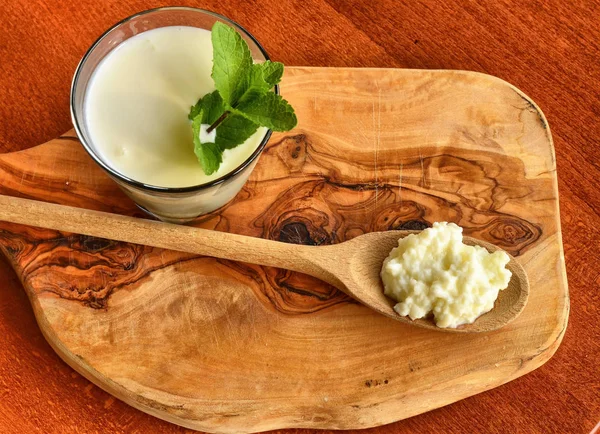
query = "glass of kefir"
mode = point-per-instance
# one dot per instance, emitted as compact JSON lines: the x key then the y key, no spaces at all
{"x":130,"y":99}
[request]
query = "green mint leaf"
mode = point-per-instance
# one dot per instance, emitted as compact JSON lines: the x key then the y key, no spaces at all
{"x":212,"y":107}
{"x":252,"y":85}
{"x":260,"y":78}
{"x":269,"y":110}
{"x":210,"y":155}
{"x":195,"y":110}
{"x":231,"y":62}
{"x":234,"y":131}
{"x":249,"y":98}
{"x":272,"y":72}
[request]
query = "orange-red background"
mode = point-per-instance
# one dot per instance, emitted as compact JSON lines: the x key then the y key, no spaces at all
{"x":549,"y":49}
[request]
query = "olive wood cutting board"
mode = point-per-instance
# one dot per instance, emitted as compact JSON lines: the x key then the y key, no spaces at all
{"x":221,"y":346}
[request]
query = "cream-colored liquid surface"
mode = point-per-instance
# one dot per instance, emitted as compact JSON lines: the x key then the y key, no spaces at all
{"x":137,"y":103}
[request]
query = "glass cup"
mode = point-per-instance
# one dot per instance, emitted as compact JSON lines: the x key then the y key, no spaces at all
{"x":175,"y":205}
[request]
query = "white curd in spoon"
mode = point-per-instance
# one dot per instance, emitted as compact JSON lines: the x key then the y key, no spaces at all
{"x":433,"y":271}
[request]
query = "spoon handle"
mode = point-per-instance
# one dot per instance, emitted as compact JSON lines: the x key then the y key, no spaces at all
{"x":188,"y":239}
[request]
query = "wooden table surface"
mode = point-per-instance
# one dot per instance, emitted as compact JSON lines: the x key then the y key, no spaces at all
{"x":548,"y":49}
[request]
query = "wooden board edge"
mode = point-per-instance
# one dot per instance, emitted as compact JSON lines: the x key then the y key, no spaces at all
{"x":156,"y":409}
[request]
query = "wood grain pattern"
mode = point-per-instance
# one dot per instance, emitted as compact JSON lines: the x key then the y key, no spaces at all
{"x":223,"y":346}
{"x":352,"y":266}
{"x":548,"y":49}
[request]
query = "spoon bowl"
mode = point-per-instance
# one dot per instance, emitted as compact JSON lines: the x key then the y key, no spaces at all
{"x":360,"y":276}
{"x":352,"y":266}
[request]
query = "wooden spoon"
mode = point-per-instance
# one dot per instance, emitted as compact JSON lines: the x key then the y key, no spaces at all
{"x":352,"y":266}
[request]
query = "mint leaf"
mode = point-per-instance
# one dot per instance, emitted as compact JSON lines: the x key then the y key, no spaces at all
{"x":272,"y":72}
{"x":234,"y":131}
{"x":269,"y":110}
{"x":212,"y":107}
{"x":231,"y":62}
{"x":261,"y":78}
{"x":252,"y":86}
{"x":210,"y":155}
{"x":195,"y":110}
{"x":234,"y":72}
{"x":242,"y":102}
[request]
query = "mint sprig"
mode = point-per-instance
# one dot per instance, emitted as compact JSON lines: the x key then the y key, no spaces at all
{"x":242,"y":102}
{"x":209,"y":155}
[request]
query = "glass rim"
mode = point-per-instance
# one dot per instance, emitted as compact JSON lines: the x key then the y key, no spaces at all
{"x":138,"y":184}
